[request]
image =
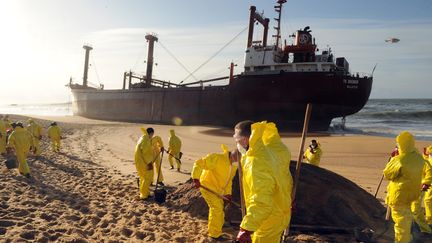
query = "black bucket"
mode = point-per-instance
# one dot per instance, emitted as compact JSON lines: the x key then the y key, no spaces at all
{"x":11,"y":163}
{"x":160,"y":195}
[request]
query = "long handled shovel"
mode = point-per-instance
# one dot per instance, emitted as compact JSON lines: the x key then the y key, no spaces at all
{"x":299,"y":161}
{"x":173,"y":156}
{"x":220,"y":196}
{"x":379,"y":185}
{"x":159,"y":170}
{"x":160,"y":194}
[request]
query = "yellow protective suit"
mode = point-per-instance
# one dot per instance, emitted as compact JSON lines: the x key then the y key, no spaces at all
{"x":404,"y":172}
{"x":21,"y":141}
{"x":274,"y":143}
{"x":7,"y":123}
{"x":266,"y":213}
{"x":315,"y":157}
{"x":143,"y":159}
{"x":416,"y":206}
{"x":174,"y":149}
{"x":215,"y":172}
{"x":428,"y":194}
{"x":54,"y":133}
{"x":36,"y":131}
{"x":157,"y":144}
{"x":2,"y":137}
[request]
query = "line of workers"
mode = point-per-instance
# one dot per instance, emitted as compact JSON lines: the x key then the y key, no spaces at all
{"x":17,"y":140}
{"x":148,"y":155}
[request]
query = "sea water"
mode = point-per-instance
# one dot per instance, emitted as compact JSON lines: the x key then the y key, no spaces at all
{"x":388,"y":117}
{"x":58,"y":109}
{"x":380,"y":117}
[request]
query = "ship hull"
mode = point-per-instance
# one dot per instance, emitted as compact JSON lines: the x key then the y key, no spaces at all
{"x":279,"y":97}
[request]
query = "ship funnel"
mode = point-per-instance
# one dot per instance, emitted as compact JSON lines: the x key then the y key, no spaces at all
{"x":151,"y":38}
{"x":87,"y":49}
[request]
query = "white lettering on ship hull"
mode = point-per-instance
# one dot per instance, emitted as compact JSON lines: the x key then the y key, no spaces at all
{"x":351,"y":83}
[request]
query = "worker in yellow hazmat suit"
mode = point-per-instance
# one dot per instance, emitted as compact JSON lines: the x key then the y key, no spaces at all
{"x":144,"y":164}
{"x":21,"y":141}
{"x":313,"y":153}
{"x":215,"y":172}
{"x":157,"y":146}
{"x":55,"y":134}
{"x":2,"y":137}
{"x":273,"y":142}
{"x":416,"y":206}
{"x":174,"y":149}
{"x":7,"y":122}
{"x":427,"y":155}
{"x":404,"y":171}
{"x":266,"y":216}
{"x":36,"y":131}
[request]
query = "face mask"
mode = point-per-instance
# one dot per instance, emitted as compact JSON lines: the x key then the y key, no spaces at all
{"x":241,"y":149}
{"x":430,"y":156}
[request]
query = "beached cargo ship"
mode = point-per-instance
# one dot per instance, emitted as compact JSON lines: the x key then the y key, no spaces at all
{"x":276,"y":84}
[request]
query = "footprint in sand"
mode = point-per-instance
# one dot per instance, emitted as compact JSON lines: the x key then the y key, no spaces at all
{"x":7,"y":223}
{"x":126,"y":232}
{"x":47,"y":217}
{"x":28,"y":235}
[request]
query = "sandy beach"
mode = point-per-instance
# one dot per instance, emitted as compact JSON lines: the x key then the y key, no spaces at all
{"x":88,"y":191}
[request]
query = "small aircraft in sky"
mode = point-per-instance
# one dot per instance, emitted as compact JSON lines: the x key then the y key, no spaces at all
{"x":392,"y":40}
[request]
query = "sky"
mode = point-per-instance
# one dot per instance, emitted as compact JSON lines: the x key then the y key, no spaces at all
{"x":41,"y":41}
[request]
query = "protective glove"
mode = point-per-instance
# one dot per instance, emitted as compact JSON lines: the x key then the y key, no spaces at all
{"x":9,"y":150}
{"x":425,"y":187}
{"x":162,"y":149}
{"x":244,"y":236}
{"x":395,"y":152}
{"x":197,"y":183}
{"x":150,"y":166}
{"x":228,"y":198}
{"x":425,"y":152}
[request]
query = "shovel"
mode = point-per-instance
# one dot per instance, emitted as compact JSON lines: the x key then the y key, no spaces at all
{"x":220,"y":196}
{"x":174,"y":156}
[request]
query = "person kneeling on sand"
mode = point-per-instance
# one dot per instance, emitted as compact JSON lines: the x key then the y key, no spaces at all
{"x":144,"y":164}
{"x":313,"y":153}
{"x":404,"y":171}
{"x":55,"y":134}
{"x":157,"y":146}
{"x":213,"y":175}
{"x":21,"y":141}
{"x":267,"y":193}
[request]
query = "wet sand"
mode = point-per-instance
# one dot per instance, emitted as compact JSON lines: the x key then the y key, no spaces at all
{"x":88,"y":191}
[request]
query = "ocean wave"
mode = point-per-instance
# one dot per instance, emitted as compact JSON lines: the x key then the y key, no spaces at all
{"x":397,"y":114}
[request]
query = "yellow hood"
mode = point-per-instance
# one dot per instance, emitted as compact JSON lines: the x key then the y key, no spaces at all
{"x":406,"y":142}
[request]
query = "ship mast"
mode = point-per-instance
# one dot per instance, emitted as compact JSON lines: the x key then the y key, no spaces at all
{"x":151,"y":38}
{"x":278,"y":9}
{"x":86,"y":63}
{"x":264,"y":21}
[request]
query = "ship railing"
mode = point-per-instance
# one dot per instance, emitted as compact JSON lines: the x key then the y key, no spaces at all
{"x":164,"y":84}
{"x":202,"y":82}
{"x":360,"y":75}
